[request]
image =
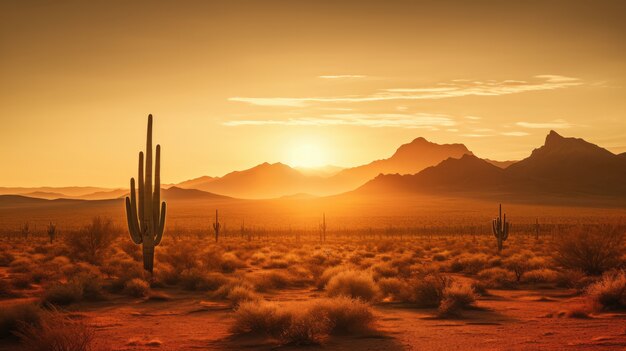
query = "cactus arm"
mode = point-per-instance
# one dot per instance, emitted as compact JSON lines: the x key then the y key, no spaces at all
{"x":161,"y":226}
{"x":131,"y":215}
{"x":156,"y":198}
{"x":140,"y":212}
{"x":135,"y":235}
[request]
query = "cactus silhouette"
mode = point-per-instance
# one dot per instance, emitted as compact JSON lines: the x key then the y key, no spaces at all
{"x":500,"y":229}
{"x":323,"y":228}
{"x":145,"y":220}
{"x":216,"y":227}
{"x":52,"y":231}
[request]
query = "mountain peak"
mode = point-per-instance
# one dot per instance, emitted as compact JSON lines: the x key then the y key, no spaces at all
{"x":553,"y":138}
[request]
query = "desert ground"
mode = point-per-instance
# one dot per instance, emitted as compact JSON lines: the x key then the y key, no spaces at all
{"x":431,"y":277}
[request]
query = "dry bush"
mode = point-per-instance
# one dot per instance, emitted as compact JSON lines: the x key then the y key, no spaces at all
{"x":469,"y":263}
{"x":271,"y":280}
{"x":229,"y":263}
{"x":304,"y":323}
{"x":239,"y":294}
{"x":137,"y":288}
{"x":196,"y":279}
{"x":394,"y":289}
{"x":497,"y":278}
{"x":427,"y":291}
{"x":91,"y":242}
{"x":456,"y":297}
{"x":14,"y":316}
{"x":573,"y":279}
{"x":328,"y":274}
{"x":354,"y":284}
{"x":609,"y":293}
{"x":63,"y":293}
{"x":591,"y":250}
{"x":56,"y":332}
{"x":538,"y":276}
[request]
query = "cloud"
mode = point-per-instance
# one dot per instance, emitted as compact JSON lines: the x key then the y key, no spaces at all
{"x":343,"y":76}
{"x":473,"y":118}
{"x":458,"y":88}
{"x":472,"y":135}
{"x":556,"y":124}
{"x":515,"y":134}
{"x":392,"y":120}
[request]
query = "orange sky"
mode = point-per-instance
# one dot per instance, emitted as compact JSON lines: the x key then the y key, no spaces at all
{"x":236,"y":83}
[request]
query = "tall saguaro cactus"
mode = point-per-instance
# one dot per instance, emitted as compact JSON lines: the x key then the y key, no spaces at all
{"x":216,"y":227}
{"x":146,"y":220}
{"x":500,"y":229}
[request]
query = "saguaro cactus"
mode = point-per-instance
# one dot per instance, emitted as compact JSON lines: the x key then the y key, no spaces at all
{"x":216,"y":227}
{"x":52,"y":231}
{"x":146,"y":222}
{"x":500,"y":229}
{"x":323,"y":228}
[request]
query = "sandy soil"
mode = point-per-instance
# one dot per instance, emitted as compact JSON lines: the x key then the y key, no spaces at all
{"x":506,"y":320}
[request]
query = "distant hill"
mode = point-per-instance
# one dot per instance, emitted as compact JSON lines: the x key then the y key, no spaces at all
{"x":562,"y":166}
{"x":176,"y":194}
{"x":69,"y":191}
{"x":501,"y":164}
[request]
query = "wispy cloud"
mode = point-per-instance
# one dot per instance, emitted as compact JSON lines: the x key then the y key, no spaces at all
{"x":457,"y":88}
{"x":515,"y":134}
{"x":558,"y":123}
{"x":392,"y":120}
{"x":343,"y":76}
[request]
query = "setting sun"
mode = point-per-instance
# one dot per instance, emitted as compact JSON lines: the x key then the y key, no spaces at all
{"x":307,"y":154}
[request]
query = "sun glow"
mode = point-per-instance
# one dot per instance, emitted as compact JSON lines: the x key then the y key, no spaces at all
{"x":308,"y":155}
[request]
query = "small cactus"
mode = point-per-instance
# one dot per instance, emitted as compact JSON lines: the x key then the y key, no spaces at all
{"x":323,"y":228}
{"x":500,"y":229}
{"x":216,"y":227}
{"x":52,"y":232}
{"x":146,"y":221}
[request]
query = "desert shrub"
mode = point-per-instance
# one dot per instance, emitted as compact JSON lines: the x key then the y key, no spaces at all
{"x":497,"y":278}
{"x":328,"y":274}
{"x":137,"y":288}
{"x":384,"y":270}
{"x":393,"y":288}
{"x":591,"y":250}
{"x":543,"y":275}
{"x":229,"y":263}
{"x":427,"y":291}
{"x":63,"y":293}
{"x":573,"y":279}
{"x":304,"y":322}
{"x":93,"y":240}
{"x":456,"y":297}
{"x":195,"y":279}
{"x":56,"y":332}
{"x":181,"y":255}
{"x":240,"y":294}
{"x":14,"y":316}
{"x":609,"y":293}
{"x":22,"y":265}
{"x":354,"y":284}
{"x":271,"y":280}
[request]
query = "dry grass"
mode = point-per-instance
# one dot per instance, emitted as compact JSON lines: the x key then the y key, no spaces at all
{"x":609,"y":293}
{"x":354,"y":284}
{"x":56,"y":332}
{"x":304,"y":323}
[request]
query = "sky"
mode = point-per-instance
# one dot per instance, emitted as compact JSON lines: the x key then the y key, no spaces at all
{"x":232,"y":84}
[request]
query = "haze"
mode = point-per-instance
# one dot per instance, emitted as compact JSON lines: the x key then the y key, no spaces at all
{"x":233,"y":83}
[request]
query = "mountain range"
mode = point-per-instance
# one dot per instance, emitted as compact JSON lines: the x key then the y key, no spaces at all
{"x":563,"y":166}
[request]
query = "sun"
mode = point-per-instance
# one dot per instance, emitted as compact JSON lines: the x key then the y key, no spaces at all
{"x":307,"y":155}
